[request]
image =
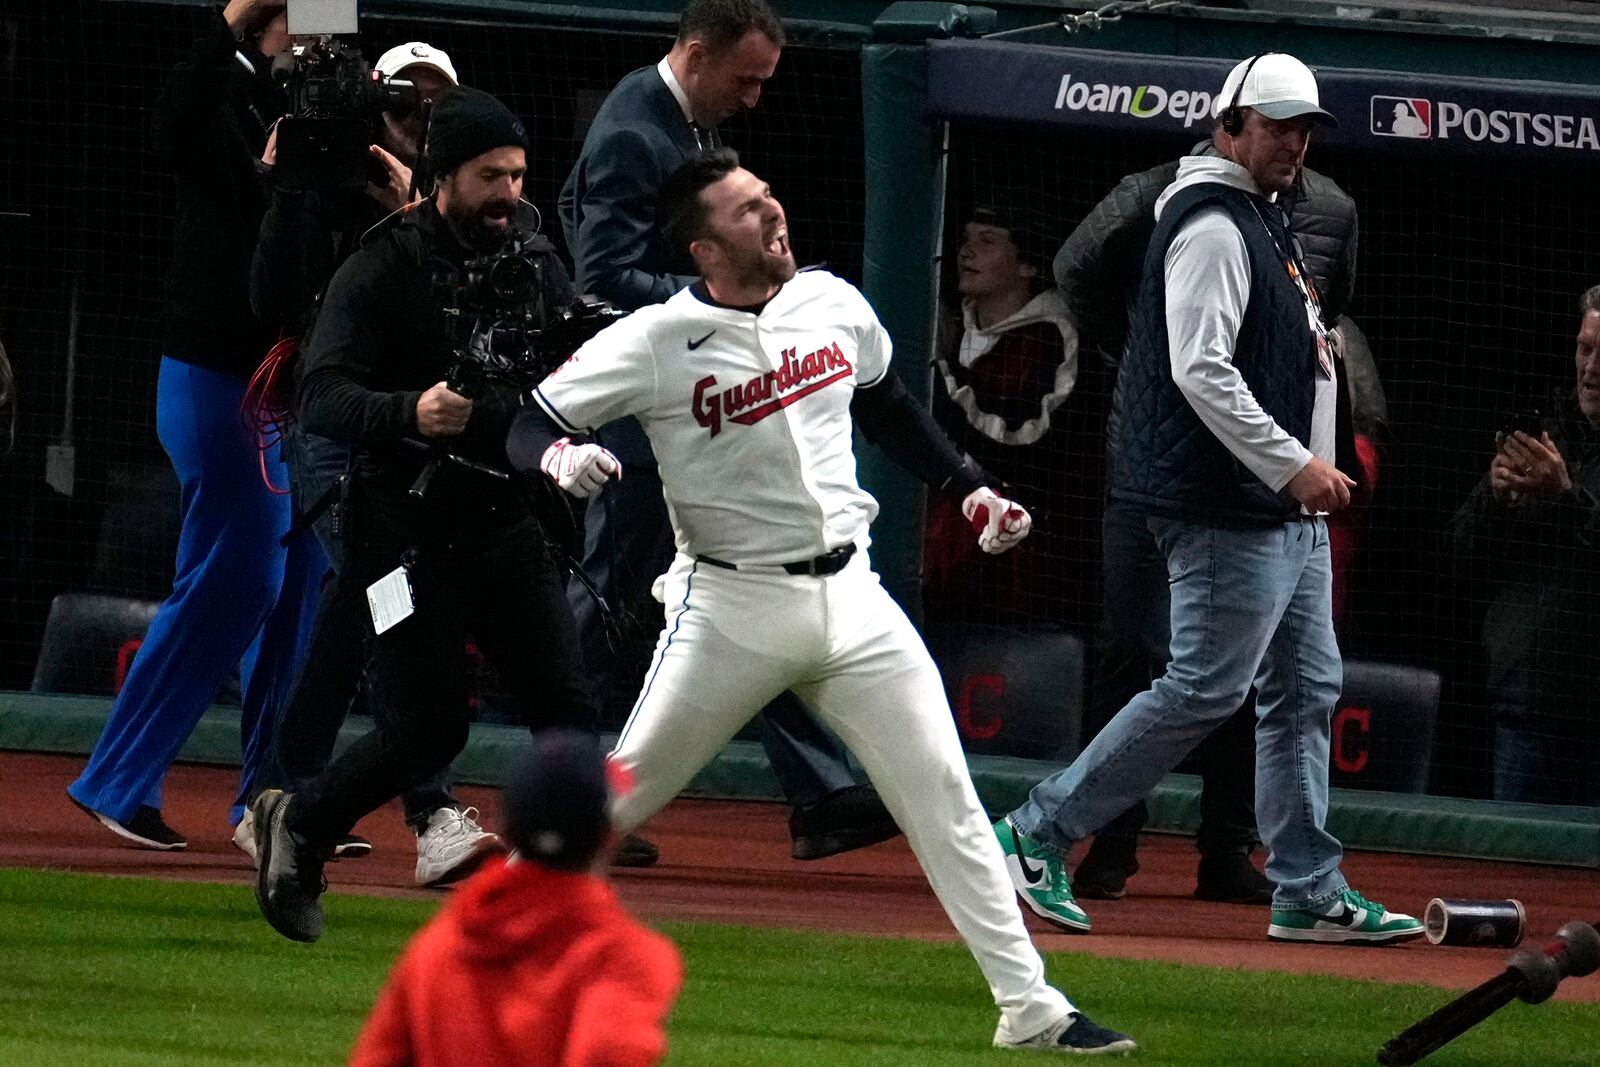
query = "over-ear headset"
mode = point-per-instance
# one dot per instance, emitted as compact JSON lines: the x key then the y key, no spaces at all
{"x":1232,"y":117}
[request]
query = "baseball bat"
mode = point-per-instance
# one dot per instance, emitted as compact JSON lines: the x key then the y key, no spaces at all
{"x":1531,"y":975}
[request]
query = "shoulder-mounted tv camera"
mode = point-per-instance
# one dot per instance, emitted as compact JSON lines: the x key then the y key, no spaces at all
{"x":335,"y":100}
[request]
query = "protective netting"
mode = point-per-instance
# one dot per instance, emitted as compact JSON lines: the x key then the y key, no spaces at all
{"x":1467,"y":289}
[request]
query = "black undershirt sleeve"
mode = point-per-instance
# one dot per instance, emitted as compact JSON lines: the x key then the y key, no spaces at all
{"x":906,"y":432}
{"x":532,"y":432}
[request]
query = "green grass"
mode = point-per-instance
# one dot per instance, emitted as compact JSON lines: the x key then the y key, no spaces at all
{"x":134,"y":973}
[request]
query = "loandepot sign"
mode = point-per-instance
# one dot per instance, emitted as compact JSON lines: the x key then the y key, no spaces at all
{"x":1388,"y":111}
{"x":1139,"y":101}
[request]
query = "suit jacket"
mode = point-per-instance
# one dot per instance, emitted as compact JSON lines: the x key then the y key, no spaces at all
{"x":608,"y":204}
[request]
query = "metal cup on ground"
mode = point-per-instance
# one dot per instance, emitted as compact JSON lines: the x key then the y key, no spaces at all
{"x":1474,"y":922}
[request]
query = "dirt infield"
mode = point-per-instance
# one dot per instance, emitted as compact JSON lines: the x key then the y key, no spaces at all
{"x":728,"y":862}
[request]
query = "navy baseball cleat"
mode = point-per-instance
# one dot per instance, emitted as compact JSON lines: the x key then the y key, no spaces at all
{"x":1076,"y":1034}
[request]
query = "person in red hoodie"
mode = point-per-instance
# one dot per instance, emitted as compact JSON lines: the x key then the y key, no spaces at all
{"x":534,"y":961}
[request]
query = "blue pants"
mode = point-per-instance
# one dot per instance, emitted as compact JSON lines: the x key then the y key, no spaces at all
{"x":237,"y":598}
{"x":1249,"y":605}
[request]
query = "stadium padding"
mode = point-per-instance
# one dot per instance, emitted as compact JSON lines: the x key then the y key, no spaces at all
{"x":1442,"y":826}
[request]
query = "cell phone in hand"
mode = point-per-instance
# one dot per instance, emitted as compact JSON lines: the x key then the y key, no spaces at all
{"x":1530,"y":423}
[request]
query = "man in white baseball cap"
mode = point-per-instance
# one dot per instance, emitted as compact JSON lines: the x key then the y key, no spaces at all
{"x":1276,"y":84}
{"x":431,"y":71}
{"x":1229,"y":447}
{"x":420,"y":55}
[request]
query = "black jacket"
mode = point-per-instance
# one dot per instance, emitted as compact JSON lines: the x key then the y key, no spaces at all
{"x":1543,"y":561}
{"x":303,"y":239}
{"x":380,"y":341}
{"x":1098,"y":267}
{"x":210,"y":127}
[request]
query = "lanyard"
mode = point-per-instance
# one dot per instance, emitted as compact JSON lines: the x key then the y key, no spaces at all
{"x":1294,"y":263}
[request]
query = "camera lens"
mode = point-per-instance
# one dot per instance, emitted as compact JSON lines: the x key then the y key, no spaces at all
{"x":513,"y":280}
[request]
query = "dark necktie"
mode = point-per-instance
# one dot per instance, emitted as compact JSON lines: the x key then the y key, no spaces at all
{"x":705,"y":137}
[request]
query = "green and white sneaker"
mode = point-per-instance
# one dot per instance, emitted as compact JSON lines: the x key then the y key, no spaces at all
{"x":1348,"y":919}
{"x":1040,"y":878}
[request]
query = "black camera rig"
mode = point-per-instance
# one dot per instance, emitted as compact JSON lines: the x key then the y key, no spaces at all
{"x":512,"y":317}
{"x":510,"y":323}
{"x":335,"y":99}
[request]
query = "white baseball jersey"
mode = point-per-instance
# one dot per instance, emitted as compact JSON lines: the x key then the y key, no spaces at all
{"x":748,"y":414}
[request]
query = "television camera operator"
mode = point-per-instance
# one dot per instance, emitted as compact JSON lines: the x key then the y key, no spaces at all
{"x":316,"y":217}
{"x":419,"y":352}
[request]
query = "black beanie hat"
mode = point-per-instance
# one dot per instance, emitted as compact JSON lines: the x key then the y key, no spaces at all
{"x":467,"y":123}
{"x":555,"y":799}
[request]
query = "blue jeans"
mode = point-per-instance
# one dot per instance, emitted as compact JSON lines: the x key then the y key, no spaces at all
{"x":1250,"y":605}
{"x":238,"y":597}
{"x":1132,"y":655}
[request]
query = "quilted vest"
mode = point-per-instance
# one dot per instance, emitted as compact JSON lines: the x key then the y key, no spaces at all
{"x":1162,"y":456}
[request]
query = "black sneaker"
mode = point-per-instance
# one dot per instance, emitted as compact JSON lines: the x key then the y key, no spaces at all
{"x":635,"y":851}
{"x":289,"y":882}
{"x":1105,"y":870}
{"x":1077,"y":1033}
{"x":1232,"y":879}
{"x":146,"y":829}
{"x":851,"y":818}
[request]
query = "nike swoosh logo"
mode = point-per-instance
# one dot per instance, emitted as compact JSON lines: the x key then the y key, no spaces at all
{"x":1034,"y":875}
{"x":696,"y":344}
{"x":1347,"y":916}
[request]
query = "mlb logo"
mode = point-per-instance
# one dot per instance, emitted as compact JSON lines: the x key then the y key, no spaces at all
{"x":1401,"y":116}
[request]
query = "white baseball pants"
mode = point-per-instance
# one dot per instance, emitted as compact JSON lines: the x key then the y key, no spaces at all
{"x":734,"y":640}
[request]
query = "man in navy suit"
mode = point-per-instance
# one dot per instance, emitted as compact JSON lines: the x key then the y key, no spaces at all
{"x":654,"y":120}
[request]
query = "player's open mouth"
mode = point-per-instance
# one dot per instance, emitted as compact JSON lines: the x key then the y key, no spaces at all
{"x":778,"y":243}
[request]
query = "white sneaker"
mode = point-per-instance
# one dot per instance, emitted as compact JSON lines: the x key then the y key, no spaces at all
{"x":350,"y":847}
{"x":244,"y":837}
{"x":453,"y":846}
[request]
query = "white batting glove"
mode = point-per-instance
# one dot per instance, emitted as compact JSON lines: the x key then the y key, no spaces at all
{"x":999,"y":523}
{"x":579,"y":469}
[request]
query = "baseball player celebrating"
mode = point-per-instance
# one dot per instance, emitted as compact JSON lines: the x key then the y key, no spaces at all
{"x":748,"y":384}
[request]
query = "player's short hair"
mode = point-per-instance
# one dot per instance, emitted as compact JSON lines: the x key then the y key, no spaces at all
{"x":1590,"y":300}
{"x":721,"y":24}
{"x":680,"y":211}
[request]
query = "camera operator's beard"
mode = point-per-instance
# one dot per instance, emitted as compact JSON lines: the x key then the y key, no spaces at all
{"x":474,"y":229}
